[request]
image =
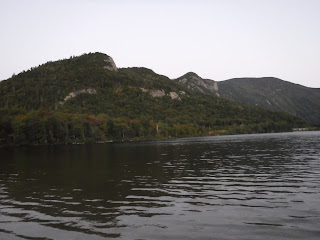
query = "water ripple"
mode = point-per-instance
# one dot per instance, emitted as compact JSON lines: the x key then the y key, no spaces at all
{"x":231,"y":187}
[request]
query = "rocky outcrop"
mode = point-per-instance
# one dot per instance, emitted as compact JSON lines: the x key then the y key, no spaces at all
{"x":174,"y":95}
{"x":161,"y":93}
{"x":157,"y":93}
{"x":75,"y":93}
{"x":193,"y":81}
{"x":110,"y":64}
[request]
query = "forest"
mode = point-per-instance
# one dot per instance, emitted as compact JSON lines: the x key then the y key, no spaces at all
{"x":34,"y":109}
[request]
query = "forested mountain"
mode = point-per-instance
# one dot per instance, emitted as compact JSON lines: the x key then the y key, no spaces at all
{"x":268,"y":93}
{"x":275,"y":94}
{"x":87,"y":98}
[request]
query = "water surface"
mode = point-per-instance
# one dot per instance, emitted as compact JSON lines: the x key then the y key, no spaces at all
{"x":230,"y":187}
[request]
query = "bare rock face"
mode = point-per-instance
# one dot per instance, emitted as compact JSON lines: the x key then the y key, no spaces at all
{"x":161,"y":93}
{"x":157,"y":93}
{"x":144,"y":90}
{"x":199,"y":83}
{"x":174,"y":95}
{"x":193,"y":81}
{"x":75,"y":93}
{"x":110,"y":64}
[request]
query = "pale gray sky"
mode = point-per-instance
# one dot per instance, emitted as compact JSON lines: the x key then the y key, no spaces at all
{"x":217,"y":39}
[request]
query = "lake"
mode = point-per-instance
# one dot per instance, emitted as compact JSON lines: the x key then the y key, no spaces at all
{"x":264,"y":186}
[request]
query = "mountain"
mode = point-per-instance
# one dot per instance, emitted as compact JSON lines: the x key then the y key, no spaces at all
{"x":275,"y":94}
{"x":89,"y":99}
{"x":193,"y":81}
{"x":268,"y":93}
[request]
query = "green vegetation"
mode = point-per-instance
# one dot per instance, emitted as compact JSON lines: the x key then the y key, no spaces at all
{"x":268,"y":93}
{"x":33,"y":108}
{"x":274,"y":94}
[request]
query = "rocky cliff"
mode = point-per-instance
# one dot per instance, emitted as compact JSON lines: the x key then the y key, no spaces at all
{"x":110,"y":64}
{"x":193,"y":81}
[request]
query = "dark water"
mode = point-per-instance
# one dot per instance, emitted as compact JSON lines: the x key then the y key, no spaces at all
{"x":232,"y":187}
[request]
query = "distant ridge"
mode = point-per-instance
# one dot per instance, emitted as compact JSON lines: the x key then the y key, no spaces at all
{"x":275,"y":94}
{"x":267,"y":92}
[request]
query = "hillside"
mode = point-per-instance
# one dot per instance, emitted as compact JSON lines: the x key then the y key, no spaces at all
{"x":268,"y":93}
{"x":87,"y":98}
{"x":274,"y":94}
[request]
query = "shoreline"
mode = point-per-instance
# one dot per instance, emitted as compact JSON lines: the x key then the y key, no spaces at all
{"x":146,"y":139}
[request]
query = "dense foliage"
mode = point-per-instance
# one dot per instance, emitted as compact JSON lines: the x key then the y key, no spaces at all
{"x":34,"y":109}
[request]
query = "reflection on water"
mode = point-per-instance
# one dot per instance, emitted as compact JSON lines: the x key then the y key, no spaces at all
{"x":231,"y":187}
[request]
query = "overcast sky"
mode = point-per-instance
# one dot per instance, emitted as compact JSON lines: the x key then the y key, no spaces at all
{"x":217,"y":39}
